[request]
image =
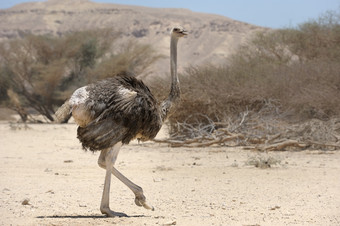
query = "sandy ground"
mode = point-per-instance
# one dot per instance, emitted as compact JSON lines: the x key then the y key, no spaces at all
{"x":62,"y":184}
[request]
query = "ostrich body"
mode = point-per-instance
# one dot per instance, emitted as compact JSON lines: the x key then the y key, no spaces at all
{"x":114,"y":111}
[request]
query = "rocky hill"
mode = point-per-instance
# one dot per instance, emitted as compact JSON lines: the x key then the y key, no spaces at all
{"x":211,"y":37}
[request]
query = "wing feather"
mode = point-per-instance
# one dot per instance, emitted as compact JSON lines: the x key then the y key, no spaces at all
{"x":123,"y":108}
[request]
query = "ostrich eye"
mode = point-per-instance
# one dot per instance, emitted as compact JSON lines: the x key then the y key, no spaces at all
{"x":176,"y":29}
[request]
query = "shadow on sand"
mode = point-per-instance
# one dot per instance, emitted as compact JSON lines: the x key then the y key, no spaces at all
{"x":86,"y":216}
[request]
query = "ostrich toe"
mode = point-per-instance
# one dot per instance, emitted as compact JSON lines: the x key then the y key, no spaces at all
{"x":111,"y":213}
{"x":140,"y":201}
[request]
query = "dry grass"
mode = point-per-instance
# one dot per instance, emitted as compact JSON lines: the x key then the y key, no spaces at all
{"x":262,"y":161}
{"x":273,"y":81}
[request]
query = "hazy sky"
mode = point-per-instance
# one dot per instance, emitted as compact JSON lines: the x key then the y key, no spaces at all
{"x":268,"y":13}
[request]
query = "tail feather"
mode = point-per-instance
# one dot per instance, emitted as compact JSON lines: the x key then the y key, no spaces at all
{"x":64,"y":112}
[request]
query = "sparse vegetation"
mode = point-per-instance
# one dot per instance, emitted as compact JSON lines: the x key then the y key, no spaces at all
{"x":39,"y":72}
{"x":278,"y":78}
{"x":279,"y":90}
{"x":262,"y":161}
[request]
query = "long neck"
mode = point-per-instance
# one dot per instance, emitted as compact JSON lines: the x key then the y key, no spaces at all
{"x":175,"y":91}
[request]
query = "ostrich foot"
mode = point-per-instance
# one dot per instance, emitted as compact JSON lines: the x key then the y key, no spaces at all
{"x":141,"y":201}
{"x":111,"y":213}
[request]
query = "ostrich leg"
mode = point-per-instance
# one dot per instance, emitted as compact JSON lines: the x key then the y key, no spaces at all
{"x":110,"y":159}
{"x":137,"y":190}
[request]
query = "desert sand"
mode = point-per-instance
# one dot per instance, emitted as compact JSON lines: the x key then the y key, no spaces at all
{"x":47,"y":179}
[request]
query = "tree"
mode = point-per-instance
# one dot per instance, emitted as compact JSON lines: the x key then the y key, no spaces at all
{"x":41,"y":71}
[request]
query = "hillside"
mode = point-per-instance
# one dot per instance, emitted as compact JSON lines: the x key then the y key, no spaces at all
{"x":212,"y":37}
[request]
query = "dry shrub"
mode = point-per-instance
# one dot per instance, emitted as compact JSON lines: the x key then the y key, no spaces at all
{"x":129,"y":57}
{"x":263,"y":161}
{"x":279,"y":77}
{"x":42,"y":71}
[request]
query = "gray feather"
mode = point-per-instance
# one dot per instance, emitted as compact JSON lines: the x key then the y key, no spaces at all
{"x":64,"y":112}
{"x":123,"y":108}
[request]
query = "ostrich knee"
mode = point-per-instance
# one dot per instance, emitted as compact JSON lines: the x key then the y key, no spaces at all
{"x":101,"y":160}
{"x":101,"y":163}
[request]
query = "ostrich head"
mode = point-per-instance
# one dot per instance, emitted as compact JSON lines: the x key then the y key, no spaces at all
{"x":178,"y":32}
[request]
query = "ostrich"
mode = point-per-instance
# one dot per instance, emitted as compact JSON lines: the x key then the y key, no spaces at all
{"x":112,"y":112}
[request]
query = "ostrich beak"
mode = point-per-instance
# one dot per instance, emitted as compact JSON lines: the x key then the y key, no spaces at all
{"x":184,"y":32}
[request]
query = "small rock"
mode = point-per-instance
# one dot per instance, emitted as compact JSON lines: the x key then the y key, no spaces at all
{"x":25,"y":202}
{"x":170,"y":223}
{"x":157,"y":217}
{"x":68,"y":161}
{"x":275,"y":208}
